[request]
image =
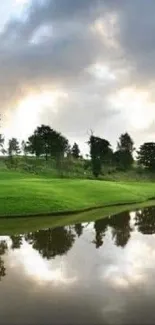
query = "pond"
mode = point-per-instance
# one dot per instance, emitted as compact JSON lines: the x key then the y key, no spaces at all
{"x":101,"y":272}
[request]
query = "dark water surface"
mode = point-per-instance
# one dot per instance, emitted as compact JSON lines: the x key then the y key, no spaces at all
{"x":101,"y":272}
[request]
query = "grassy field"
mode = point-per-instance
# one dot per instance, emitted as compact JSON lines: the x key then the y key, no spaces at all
{"x":24,"y":194}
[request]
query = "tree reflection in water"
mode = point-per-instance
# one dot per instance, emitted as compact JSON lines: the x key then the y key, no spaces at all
{"x":100,"y":227}
{"x":121,"y":229}
{"x":3,"y":249}
{"x":16,"y":241}
{"x":145,"y":220}
{"x":52,"y":242}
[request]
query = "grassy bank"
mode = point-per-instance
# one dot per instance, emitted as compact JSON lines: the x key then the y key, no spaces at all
{"x":22,"y":194}
{"x":24,"y":225}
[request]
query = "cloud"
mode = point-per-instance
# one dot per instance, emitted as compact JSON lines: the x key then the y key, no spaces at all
{"x":91,"y":50}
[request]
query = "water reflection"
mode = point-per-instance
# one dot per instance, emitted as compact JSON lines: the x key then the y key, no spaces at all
{"x":145,"y":220}
{"x":100,"y":227}
{"x":96,"y":273}
{"x":52,"y":242}
{"x":121,"y":228}
{"x":16,"y":241}
{"x":79,"y":229}
{"x":3,"y":249}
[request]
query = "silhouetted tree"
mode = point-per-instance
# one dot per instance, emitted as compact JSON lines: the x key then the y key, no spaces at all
{"x":35,"y":145}
{"x":146,"y":156}
{"x":99,"y":149}
{"x":75,"y":151}
{"x":123,"y":157}
{"x":24,"y":147}
{"x":13,"y":148}
{"x":48,"y":142}
{"x":1,"y":142}
{"x":52,"y":242}
{"x":125,"y":143}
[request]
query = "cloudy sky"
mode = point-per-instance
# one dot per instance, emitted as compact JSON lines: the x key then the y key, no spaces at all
{"x":78,"y":65}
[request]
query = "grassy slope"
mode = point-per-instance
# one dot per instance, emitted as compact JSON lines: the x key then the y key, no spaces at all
{"x":23,"y":194}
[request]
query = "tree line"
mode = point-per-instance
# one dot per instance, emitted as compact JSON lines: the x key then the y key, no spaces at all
{"x":49,"y":143}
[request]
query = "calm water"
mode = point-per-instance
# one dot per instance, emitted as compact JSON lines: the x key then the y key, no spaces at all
{"x":93,"y":273}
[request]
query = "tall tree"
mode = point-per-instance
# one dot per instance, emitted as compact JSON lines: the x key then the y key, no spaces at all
{"x":1,"y":142}
{"x":34,"y":145}
{"x":123,"y":157}
{"x":75,"y":151}
{"x":125,"y":143}
{"x":99,"y":150}
{"x":146,"y":156}
{"x":24,"y":147}
{"x":13,"y":148}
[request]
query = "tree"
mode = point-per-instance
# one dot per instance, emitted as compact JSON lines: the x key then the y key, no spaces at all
{"x":123,"y":157}
{"x":1,"y":142}
{"x":39,"y":142}
{"x":146,"y":156}
{"x":125,"y":143}
{"x":13,"y":148}
{"x":75,"y":151}
{"x":4,"y":151}
{"x":48,"y":142}
{"x":24,"y":147}
{"x":99,"y":150}
{"x":34,"y":145}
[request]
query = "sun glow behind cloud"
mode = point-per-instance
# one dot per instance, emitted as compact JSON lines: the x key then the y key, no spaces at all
{"x":28,"y":112}
{"x":107,"y":28}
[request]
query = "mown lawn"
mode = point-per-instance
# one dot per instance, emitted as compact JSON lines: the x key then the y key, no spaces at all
{"x":23,"y":194}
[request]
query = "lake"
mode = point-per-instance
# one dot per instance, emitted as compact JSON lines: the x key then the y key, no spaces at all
{"x":101,"y":272}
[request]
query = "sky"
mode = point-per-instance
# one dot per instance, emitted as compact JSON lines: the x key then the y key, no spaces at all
{"x":78,"y":66}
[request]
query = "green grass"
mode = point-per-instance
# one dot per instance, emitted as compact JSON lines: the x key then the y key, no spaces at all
{"x":24,"y":225}
{"x":22,"y":194}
